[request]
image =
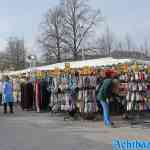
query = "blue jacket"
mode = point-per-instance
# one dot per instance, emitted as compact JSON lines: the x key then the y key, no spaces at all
{"x":7,"y":92}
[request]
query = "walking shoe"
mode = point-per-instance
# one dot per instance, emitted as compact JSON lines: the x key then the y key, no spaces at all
{"x":112,"y":123}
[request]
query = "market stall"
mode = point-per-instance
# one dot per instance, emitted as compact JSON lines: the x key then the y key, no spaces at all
{"x":69,"y":85}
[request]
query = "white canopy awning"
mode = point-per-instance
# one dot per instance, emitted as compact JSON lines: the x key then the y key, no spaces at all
{"x":76,"y":64}
{"x":91,"y":63}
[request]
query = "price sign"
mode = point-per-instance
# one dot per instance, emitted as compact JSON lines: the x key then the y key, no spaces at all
{"x":120,"y":69}
{"x":125,"y":68}
{"x":87,"y":70}
{"x":56,"y":71}
{"x":135,"y":67}
{"x":38,"y":74}
{"x":67,"y":67}
{"x":148,"y":69}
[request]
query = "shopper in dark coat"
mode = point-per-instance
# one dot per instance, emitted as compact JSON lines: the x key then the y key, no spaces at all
{"x":104,"y":96}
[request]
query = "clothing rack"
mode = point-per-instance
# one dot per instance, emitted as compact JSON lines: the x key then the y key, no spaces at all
{"x":65,"y":93}
{"x":35,"y":95}
{"x":137,"y":99}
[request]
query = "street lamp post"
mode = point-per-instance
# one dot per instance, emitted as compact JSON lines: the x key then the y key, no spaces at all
{"x":32,"y":60}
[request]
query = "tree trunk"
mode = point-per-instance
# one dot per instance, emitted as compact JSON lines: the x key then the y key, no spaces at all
{"x":75,"y":55}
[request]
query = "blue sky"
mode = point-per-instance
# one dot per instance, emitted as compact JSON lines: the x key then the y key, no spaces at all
{"x":22,"y":18}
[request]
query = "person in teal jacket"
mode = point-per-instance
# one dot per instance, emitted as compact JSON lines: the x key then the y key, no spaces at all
{"x":7,"y":94}
{"x":104,"y":96}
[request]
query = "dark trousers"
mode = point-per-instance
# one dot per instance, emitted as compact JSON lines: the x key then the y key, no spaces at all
{"x":10,"y":106}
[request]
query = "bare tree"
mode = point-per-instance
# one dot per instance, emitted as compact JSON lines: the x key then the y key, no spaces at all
{"x":106,"y":42}
{"x":100,"y":44}
{"x":52,"y":33}
{"x":145,"y":46}
{"x":16,"y":53}
{"x":4,"y":63}
{"x":80,"y":20}
{"x":109,"y":41}
{"x":129,"y":43}
{"x":119,"y":46}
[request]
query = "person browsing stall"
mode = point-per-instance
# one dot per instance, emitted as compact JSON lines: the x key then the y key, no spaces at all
{"x":104,"y":96}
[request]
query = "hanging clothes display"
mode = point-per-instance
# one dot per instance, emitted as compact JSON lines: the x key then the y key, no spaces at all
{"x":42,"y":94}
{"x":16,"y":90}
{"x":38,"y":98}
{"x":45,"y":95}
{"x":137,"y":96}
{"x":89,"y":86}
{"x":22,"y":103}
{"x":73,"y":93}
{"x":54,"y":102}
{"x":27,"y":96}
{"x":64,"y":94}
{"x":70,"y":90}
